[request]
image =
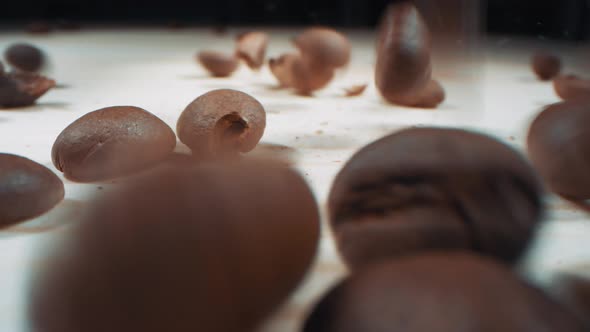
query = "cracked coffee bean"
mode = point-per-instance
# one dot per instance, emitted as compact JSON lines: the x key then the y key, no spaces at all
{"x":438,"y":292}
{"x":112,"y":142}
{"x":434,"y":189}
{"x":211,"y":247}
{"x":19,"y":89}
{"x":222,"y":123}
{"x":25,"y":57}
{"x":251,"y":47}
{"x":559,"y":147}
{"x":545,"y":66}
{"x":218,"y":64}
{"x":27,"y":189}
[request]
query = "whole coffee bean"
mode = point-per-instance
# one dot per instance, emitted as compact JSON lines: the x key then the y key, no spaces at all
{"x":559,"y":147}
{"x":112,"y":142}
{"x":324,"y":47}
{"x":546,"y":66}
{"x":27,"y":189}
{"x":434,"y":189}
{"x":222,"y":122}
{"x":1,"y":68}
{"x":251,"y":47}
{"x":18,"y":89}
{"x":573,"y":291}
{"x":213,"y":247}
{"x":217,"y":63}
{"x":403,"y":66}
{"x":571,"y":87}
{"x":24,"y":57}
{"x":438,"y":292}
{"x":281,"y":68}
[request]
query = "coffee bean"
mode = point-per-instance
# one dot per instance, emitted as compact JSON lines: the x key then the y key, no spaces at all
{"x":27,"y":189}
{"x":559,"y":147}
{"x":291,"y":70}
{"x":571,"y":87}
{"x":403,"y":66}
{"x":434,"y":189}
{"x":39,"y":27}
{"x":24,"y":57}
{"x":222,"y":122}
{"x":251,"y":47}
{"x":112,"y":142}
{"x":573,"y":292}
{"x":1,"y":68}
{"x":355,"y":90}
{"x":281,"y":68}
{"x":430,"y":97}
{"x":217,"y":63}
{"x":324,"y":47}
{"x":438,"y":292}
{"x":213,"y":247}
{"x":545,"y":66}
{"x":18,"y":89}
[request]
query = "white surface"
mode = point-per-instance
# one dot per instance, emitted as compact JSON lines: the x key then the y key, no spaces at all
{"x":155,"y":70}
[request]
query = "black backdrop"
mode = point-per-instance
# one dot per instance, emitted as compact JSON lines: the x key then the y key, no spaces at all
{"x":565,"y":19}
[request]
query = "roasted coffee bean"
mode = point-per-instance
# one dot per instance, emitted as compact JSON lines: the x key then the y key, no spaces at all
{"x":559,"y":147}
{"x":571,"y":87}
{"x":403,"y":66}
{"x":38,"y":27}
{"x":24,"y":57}
{"x":221,"y":123}
{"x":217,"y":63}
{"x":438,"y":292}
{"x":281,"y":68}
{"x":573,"y":291}
{"x":324,"y":48}
{"x":545,"y":66}
{"x":212,"y":247}
{"x":18,"y":89}
{"x":434,"y":189}
{"x":355,"y":90}
{"x":112,"y":142}
{"x":251,"y":47}
{"x":430,"y":97}
{"x":27,"y":189}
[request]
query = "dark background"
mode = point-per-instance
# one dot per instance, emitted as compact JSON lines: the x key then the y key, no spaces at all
{"x":560,"y":19}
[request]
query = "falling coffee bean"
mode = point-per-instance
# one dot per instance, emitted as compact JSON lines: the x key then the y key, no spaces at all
{"x":439,"y":292}
{"x":251,"y":47}
{"x":559,"y":147}
{"x":27,"y":189}
{"x":217,"y":63}
{"x":434,"y":189}
{"x":574,"y":292}
{"x":24,"y":57}
{"x":546,"y":66}
{"x":221,"y":123}
{"x":211,"y":247}
{"x":112,"y":142}
{"x":571,"y":87}
{"x":403,"y":66}
{"x":19,"y":89}
{"x":324,"y":47}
